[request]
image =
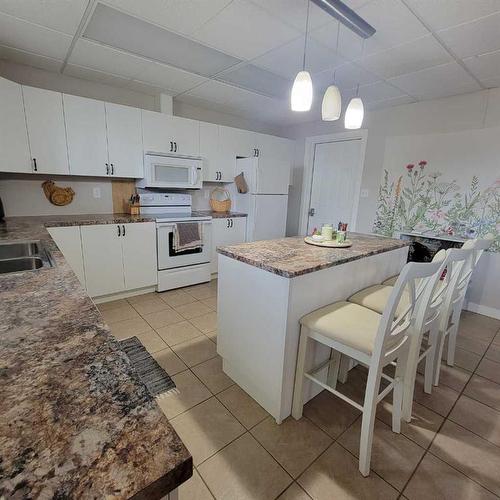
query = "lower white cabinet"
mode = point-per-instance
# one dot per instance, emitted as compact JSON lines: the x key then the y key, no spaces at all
{"x":227,"y":231}
{"x":69,"y":241}
{"x":119,"y":257}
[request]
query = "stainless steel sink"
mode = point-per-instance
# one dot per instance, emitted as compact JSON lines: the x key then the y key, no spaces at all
{"x":20,"y":264}
{"x":19,"y":256}
{"x":16,"y":249}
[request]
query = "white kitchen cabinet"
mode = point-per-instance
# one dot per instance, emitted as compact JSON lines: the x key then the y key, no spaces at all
{"x":68,"y":239}
{"x":209,"y":151}
{"x":14,"y":149}
{"x":103,"y":259}
{"x":124,"y":133}
{"x":233,"y":143}
{"x":139,"y":255}
{"x":86,"y":132}
{"x":46,"y":130}
{"x":119,"y":257}
{"x":170,"y":134}
{"x":226,"y":231}
{"x":272,"y":147}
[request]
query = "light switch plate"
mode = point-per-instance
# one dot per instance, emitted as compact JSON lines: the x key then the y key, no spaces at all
{"x":96,"y":192}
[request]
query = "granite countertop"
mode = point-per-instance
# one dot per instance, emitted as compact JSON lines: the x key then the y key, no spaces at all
{"x":291,"y":257}
{"x":76,"y":421}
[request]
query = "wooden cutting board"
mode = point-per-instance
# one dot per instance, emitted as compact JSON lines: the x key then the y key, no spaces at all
{"x":122,"y":189}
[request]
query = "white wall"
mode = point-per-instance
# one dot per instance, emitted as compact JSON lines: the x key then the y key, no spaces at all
{"x":23,"y":195}
{"x":458,"y":113}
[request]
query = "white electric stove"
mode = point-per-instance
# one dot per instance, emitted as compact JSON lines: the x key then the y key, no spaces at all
{"x":177,"y":269}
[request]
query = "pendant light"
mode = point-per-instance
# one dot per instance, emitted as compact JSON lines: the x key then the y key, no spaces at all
{"x":355,"y":111}
{"x":302,"y":90}
{"x":331,"y":107}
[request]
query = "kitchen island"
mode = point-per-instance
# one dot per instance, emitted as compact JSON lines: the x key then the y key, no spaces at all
{"x":265,"y":287}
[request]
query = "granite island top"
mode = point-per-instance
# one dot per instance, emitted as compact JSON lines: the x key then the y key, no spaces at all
{"x":76,"y":421}
{"x":292,"y":257}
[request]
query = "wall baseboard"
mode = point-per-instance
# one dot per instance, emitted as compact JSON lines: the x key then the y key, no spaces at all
{"x":487,"y":311}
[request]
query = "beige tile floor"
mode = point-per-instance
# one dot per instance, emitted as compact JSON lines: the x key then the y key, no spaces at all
{"x":450,"y":450}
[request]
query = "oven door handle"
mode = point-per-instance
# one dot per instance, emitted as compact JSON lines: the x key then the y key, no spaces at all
{"x":172,"y":224}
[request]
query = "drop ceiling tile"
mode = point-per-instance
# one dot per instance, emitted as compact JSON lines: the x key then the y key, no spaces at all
{"x":379,"y":91}
{"x":245,"y":31}
{"x":60,"y":15}
{"x":221,"y":93}
{"x":168,"y":77}
{"x":408,"y":57}
{"x":33,"y":38}
{"x":446,"y":13}
{"x":387,"y":103}
{"x":102,"y":58}
{"x":491,"y":83}
{"x":287,"y":59}
{"x":30,"y":59}
{"x":348,"y":45}
{"x":438,"y":81}
{"x":349,"y":75}
{"x":94,"y":75}
{"x":484,"y":66}
{"x":294,"y":12}
{"x":256,"y":79}
{"x":181,"y":16}
{"x":131,"y":34}
{"x":476,"y":37}
{"x":147,"y":88}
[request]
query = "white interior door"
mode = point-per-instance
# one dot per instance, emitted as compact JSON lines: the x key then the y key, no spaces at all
{"x":336,"y":173}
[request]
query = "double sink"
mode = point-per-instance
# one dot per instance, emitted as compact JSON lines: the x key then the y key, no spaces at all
{"x":19,"y":256}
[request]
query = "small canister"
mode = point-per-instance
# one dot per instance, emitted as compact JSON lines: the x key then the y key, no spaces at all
{"x":327,"y":232}
{"x":340,"y":236}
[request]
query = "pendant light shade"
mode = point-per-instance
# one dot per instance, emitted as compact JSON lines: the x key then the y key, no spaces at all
{"x":354,"y":114}
{"x":332,"y":104}
{"x":302,"y":92}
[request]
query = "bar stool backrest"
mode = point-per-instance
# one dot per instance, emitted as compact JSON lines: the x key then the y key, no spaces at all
{"x":458,"y":271}
{"x":392,"y":333}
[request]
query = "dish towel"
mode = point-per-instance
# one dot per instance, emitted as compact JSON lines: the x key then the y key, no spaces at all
{"x":187,"y":236}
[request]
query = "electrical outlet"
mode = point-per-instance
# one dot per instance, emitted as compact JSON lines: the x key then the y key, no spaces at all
{"x":96,"y":192}
{"x":363,"y":193}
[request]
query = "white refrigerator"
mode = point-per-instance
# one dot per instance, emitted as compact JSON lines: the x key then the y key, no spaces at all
{"x":267,"y":199}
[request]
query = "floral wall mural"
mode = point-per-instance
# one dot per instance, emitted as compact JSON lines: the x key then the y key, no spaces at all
{"x":418,"y":198}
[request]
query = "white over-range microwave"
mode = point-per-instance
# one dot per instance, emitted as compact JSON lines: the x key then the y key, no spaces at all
{"x":172,"y":172}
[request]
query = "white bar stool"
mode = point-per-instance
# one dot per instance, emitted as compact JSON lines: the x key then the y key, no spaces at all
{"x":425,"y":319}
{"x":373,"y":340}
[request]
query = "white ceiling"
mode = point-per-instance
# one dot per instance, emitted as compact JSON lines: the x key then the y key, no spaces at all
{"x":240,"y":56}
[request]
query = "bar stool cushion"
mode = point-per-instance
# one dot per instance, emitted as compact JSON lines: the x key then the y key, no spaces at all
{"x":375,"y":298}
{"x":348,"y":323}
{"x":391,"y":281}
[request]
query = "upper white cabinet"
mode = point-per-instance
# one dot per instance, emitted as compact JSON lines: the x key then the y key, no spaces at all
{"x":217,"y":163}
{"x":119,"y":257}
{"x":14,"y":149}
{"x":272,"y":147}
{"x":86,"y":130}
{"x":124,"y":133}
{"x":46,"y":130}
{"x":237,"y":142}
{"x":170,"y":134}
{"x":103,"y":138}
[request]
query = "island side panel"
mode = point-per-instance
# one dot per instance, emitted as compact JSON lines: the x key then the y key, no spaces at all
{"x":252,"y":314}
{"x":314,"y":290}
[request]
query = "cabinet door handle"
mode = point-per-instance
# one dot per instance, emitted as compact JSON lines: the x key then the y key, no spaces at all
{"x":119,"y":231}
{"x":35,"y":167}
{"x":123,"y":226}
{"x":107,"y":168}
{"x":217,"y":175}
{"x":232,"y":223}
{"x":171,"y":146}
{"x":175,"y":147}
{"x":258,"y":152}
{"x":227,"y":223}
{"x":112,"y":169}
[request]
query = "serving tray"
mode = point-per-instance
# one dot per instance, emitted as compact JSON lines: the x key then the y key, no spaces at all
{"x":328,"y":243}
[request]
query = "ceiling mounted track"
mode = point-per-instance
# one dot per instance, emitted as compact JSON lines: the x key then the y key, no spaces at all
{"x":346,"y":16}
